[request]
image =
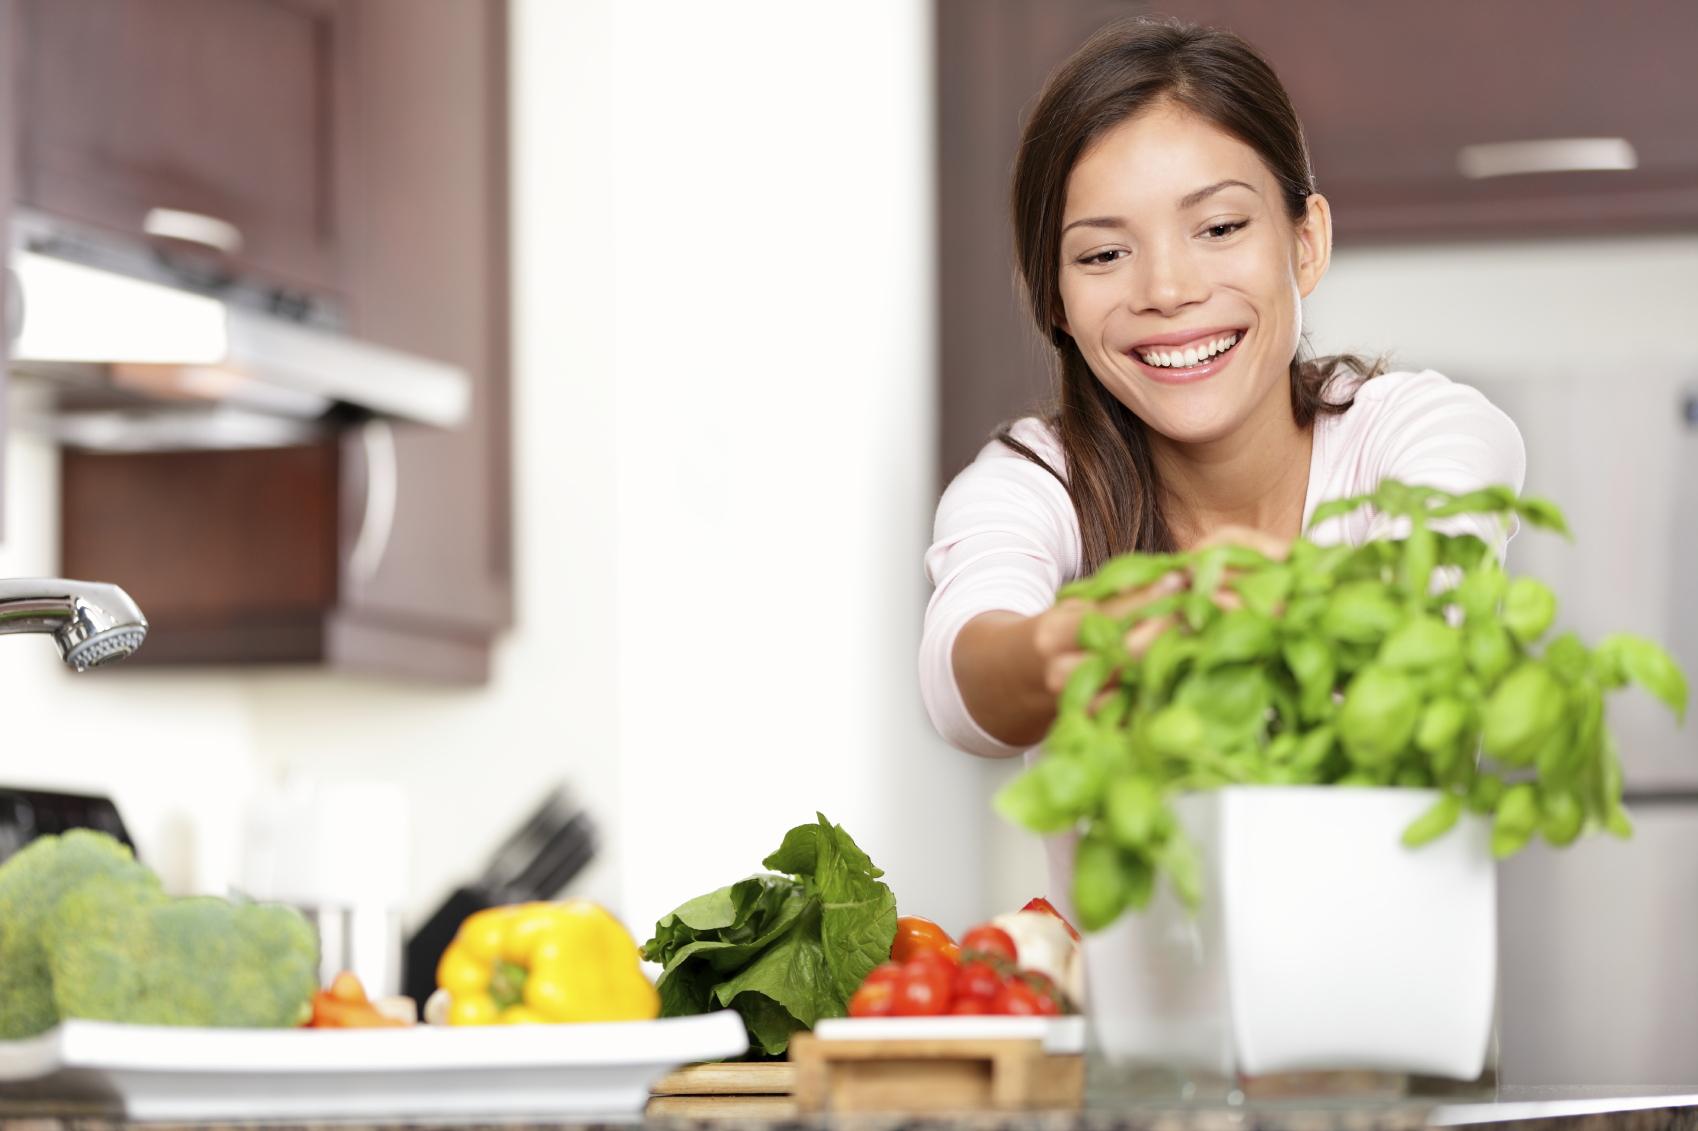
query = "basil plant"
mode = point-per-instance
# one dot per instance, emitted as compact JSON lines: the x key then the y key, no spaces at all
{"x":1403,"y":662}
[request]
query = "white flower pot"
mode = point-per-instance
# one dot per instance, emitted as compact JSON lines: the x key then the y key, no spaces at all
{"x":1322,"y":943}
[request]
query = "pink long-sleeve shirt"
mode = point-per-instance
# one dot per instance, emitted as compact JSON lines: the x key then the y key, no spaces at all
{"x":1006,"y":536}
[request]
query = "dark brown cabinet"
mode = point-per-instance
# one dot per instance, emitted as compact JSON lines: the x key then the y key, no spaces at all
{"x":359,"y":147}
{"x":429,"y":274}
{"x":1388,"y":93}
{"x":992,"y":56}
{"x":242,"y":563}
{"x":232,"y":109}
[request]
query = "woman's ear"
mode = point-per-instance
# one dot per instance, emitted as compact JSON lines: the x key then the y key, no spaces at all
{"x":1314,"y":243}
{"x":1058,"y":320}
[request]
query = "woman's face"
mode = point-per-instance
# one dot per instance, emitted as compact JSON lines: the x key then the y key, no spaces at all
{"x":1182,"y":275}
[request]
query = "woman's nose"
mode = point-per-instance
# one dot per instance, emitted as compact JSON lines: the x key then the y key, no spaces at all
{"x":1167,"y":281}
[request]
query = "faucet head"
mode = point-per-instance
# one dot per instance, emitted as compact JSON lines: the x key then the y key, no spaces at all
{"x":105,"y":647}
{"x":91,"y":622}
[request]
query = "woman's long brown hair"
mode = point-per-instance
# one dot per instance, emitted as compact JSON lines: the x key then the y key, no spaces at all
{"x":1122,"y":70}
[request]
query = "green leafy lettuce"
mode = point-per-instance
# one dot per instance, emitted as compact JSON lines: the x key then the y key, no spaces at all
{"x":783,"y":951}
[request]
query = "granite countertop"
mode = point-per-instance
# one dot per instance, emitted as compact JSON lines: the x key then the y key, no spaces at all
{"x":1570,"y":1109}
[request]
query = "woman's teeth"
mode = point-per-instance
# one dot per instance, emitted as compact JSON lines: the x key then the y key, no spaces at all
{"x":1191,"y":355}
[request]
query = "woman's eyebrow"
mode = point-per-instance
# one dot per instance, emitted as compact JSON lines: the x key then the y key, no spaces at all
{"x":1095,"y":222}
{"x":1203,"y":194}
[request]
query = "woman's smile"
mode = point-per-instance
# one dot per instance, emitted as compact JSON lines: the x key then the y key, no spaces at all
{"x":1186,"y":355}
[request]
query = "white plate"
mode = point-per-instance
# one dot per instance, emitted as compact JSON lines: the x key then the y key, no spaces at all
{"x":1060,"y":1035}
{"x":155,"y":1072}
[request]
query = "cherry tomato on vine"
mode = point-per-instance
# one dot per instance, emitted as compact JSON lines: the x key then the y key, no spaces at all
{"x":970,"y":1006}
{"x":988,"y":940}
{"x":884,"y":972}
{"x":979,"y":980}
{"x":1020,"y":997}
{"x":915,"y":936}
{"x":926,"y":988}
{"x":1046,"y":986}
{"x":877,"y":993}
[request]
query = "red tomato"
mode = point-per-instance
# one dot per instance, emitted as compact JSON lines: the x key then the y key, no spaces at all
{"x":1018,"y":997}
{"x":886,"y":972}
{"x":926,"y":988}
{"x":1048,"y":908}
{"x":988,"y":940}
{"x":915,"y":935}
{"x":979,"y":979}
{"x":1045,"y":985}
{"x":971,"y":1005}
{"x":877,"y":992}
{"x":873,"y":999}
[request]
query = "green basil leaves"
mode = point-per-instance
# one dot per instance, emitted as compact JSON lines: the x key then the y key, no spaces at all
{"x":1410,"y":662}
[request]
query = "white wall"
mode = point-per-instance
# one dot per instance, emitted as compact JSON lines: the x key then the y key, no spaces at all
{"x":723,"y":440}
{"x":178,"y":755}
{"x":770,"y":256}
{"x":1497,"y":308}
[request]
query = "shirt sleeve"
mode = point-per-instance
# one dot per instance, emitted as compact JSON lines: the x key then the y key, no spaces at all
{"x":1424,"y":429}
{"x":1005,"y":538}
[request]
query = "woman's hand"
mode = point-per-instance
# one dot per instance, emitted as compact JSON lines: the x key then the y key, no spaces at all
{"x":1011,"y":668}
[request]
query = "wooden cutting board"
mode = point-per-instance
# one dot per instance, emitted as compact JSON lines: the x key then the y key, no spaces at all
{"x":986,"y":1074}
{"x":760,"y":1090}
{"x":729,"y":1078}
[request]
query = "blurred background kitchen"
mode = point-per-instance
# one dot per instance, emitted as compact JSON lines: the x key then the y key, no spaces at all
{"x":687,"y":311}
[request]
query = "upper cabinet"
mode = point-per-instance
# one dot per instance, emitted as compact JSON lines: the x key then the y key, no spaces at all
{"x":1407,"y":105}
{"x":233,"y":110}
{"x":340,"y":163}
{"x":428,"y":273}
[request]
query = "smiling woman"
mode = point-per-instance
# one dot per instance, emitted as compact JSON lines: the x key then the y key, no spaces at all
{"x":1167,"y":229}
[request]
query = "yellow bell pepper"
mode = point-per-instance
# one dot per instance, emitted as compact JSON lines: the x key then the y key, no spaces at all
{"x":542,"y":963}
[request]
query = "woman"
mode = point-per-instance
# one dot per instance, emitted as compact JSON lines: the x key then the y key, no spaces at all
{"x":1166,"y":229}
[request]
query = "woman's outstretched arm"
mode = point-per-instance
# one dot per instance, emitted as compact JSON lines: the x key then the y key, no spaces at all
{"x":1010,"y":669}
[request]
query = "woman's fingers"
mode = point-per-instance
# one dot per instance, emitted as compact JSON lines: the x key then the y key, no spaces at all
{"x":1144,"y":633}
{"x":1056,"y":634}
{"x":1228,"y":599}
{"x":1164,"y":586}
{"x":1271,"y":547}
{"x":1057,"y":630}
{"x":1059,"y":668}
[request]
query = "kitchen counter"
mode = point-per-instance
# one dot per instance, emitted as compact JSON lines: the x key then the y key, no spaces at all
{"x":1540,"y":1110}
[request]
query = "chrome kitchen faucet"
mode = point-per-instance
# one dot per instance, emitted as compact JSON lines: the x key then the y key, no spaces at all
{"x":93,"y":623}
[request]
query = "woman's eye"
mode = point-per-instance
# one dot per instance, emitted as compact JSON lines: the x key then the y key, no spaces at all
{"x":1103,"y":258}
{"x":1221,"y":231}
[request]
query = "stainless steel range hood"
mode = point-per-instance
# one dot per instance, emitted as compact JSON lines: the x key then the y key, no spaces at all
{"x":144,"y":362}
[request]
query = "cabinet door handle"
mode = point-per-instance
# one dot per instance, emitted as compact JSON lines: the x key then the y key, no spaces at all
{"x":1551,"y":155}
{"x":382,"y":483}
{"x":194,"y":227}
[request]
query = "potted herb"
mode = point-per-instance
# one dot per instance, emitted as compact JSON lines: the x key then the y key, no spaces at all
{"x":1282,"y":925}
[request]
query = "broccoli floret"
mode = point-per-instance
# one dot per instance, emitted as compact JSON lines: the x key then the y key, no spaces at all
{"x":86,"y":931}
{"x":198,"y":961}
{"x":32,"y":883}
